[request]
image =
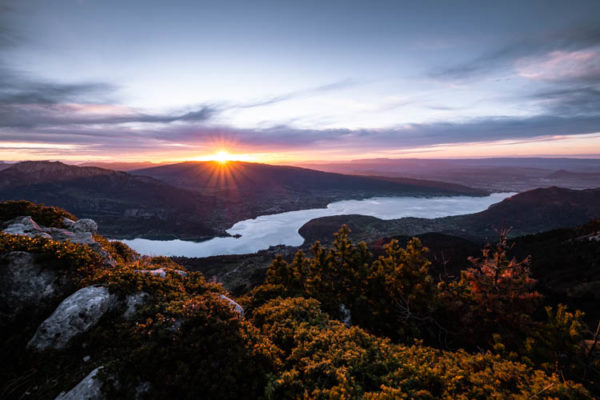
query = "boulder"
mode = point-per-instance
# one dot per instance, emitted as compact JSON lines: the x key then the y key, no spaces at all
{"x":75,"y":315}
{"x":85,"y":225}
{"x":90,"y":388}
{"x":23,"y":282}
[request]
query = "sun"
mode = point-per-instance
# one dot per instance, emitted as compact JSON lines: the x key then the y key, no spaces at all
{"x":222,"y":157}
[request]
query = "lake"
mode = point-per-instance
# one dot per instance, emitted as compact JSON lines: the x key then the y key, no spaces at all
{"x":269,"y":230}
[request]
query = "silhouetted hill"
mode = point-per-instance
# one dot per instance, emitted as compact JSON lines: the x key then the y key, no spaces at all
{"x":247,"y":190}
{"x":124,"y":204}
{"x":526,"y":213}
{"x":248,"y":177}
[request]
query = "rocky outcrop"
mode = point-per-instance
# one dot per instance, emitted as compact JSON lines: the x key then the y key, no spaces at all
{"x":81,"y":232}
{"x":25,"y":226}
{"x":24,"y":282}
{"x":75,"y":315}
{"x":90,"y":388}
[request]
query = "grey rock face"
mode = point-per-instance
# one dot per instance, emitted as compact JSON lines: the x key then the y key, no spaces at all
{"x":76,"y":314}
{"x":23,"y":282}
{"x":90,"y":388}
{"x":234,"y":305}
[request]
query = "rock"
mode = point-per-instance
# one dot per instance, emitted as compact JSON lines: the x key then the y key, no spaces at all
{"x":133,"y":302}
{"x":76,"y":314}
{"x":90,"y":388}
{"x":160,"y":272}
{"x":68,"y":223}
{"x":25,"y":226}
{"x":85,"y":225}
{"x":81,"y":232}
{"x":142,"y":389}
{"x":234,"y":305}
{"x":23,"y":282}
{"x":76,"y":237}
{"x":346,"y":316}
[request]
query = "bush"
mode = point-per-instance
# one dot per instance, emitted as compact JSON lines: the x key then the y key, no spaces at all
{"x":43,"y":215}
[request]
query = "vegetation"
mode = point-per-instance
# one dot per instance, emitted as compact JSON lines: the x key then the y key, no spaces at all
{"x":338,"y":324}
{"x":44,"y":215}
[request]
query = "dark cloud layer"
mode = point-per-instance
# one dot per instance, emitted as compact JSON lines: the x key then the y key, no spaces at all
{"x":282,"y":137}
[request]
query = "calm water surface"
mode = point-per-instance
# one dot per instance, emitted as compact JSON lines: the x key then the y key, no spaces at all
{"x":269,"y":230}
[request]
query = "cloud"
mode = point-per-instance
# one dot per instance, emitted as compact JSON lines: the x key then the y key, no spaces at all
{"x":113,"y":140}
{"x":573,"y":101}
{"x":562,"y":66}
{"x":65,"y":115}
{"x":27,"y":102}
{"x":568,"y":41}
{"x":338,"y":85}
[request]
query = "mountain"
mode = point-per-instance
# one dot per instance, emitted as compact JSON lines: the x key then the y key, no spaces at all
{"x":124,"y":204}
{"x":526,"y":213}
{"x":494,"y":174}
{"x":252,"y":189}
{"x":120,"y":166}
{"x":194,"y":201}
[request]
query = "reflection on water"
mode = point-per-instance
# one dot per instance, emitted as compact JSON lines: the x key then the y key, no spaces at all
{"x":269,"y":230}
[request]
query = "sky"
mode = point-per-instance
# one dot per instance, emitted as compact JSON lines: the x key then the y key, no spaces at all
{"x":287,"y":81}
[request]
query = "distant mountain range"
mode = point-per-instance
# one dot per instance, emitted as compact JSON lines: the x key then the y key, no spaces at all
{"x":193,"y":200}
{"x":495,"y":174}
{"x":526,"y":213}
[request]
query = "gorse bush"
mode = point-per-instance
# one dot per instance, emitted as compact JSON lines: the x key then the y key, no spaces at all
{"x":489,"y":308}
{"x":184,"y":338}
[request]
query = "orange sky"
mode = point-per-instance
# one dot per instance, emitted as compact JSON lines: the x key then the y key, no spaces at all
{"x":552,"y":146}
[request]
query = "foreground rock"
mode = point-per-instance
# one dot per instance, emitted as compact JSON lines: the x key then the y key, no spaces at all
{"x":90,"y":388}
{"x":75,"y":315}
{"x":81,"y":232}
{"x":24,"y":282}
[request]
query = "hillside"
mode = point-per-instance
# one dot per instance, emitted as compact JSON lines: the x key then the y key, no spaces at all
{"x":526,"y":213}
{"x":111,"y":324}
{"x":267,"y":189}
{"x":124,"y":204}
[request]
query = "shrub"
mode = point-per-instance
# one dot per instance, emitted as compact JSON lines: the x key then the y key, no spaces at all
{"x":43,"y":215}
